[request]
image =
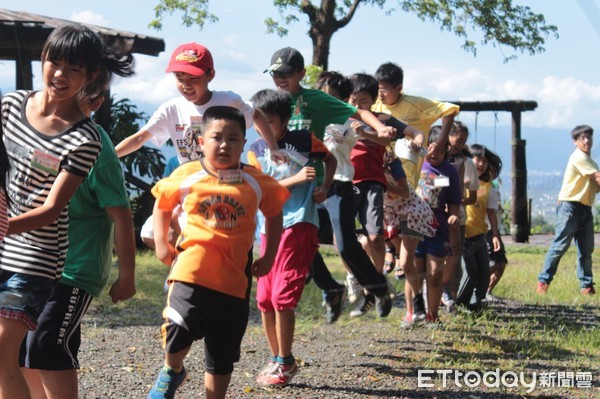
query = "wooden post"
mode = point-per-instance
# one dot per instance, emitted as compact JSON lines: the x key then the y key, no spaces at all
{"x":23,"y":72}
{"x":519,"y":228}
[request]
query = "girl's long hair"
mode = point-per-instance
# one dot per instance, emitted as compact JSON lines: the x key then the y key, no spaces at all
{"x":4,"y":165}
{"x":494,"y":162}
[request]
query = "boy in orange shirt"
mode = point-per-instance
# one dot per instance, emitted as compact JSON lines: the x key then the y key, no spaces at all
{"x":210,"y":275}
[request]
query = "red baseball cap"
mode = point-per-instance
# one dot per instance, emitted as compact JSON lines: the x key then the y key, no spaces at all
{"x":192,"y":58}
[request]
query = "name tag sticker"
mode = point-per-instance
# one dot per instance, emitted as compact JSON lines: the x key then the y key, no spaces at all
{"x":297,"y":157}
{"x":47,"y":162}
{"x":441,"y":181}
{"x":229,"y":176}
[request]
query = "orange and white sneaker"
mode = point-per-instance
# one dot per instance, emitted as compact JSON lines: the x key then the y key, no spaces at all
{"x":588,"y":290}
{"x":542,"y":288}
{"x":280,"y":376}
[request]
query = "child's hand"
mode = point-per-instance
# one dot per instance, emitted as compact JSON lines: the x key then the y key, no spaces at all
{"x":165,"y":253}
{"x":261,"y":267}
{"x":320,"y":194}
{"x":307,"y":173}
{"x":387,"y":132}
{"x":496,"y":243}
{"x":453,"y":220}
{"x":358,"y":127}
{"x":278,"y":156}
{"x":122,"y":289}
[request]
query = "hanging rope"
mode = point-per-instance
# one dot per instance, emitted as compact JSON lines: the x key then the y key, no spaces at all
{"x":476,"y":118}
{"x":495,"y":126}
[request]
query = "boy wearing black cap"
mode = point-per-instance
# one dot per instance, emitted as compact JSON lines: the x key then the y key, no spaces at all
{"x":314,"y":110}
{"x":179,"y":118}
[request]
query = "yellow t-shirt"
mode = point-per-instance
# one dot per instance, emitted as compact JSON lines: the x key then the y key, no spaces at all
{"x":217,"y":223}
{"x":579,"y":184}
{"x":420,"y":113}
{"x":477,"y":212}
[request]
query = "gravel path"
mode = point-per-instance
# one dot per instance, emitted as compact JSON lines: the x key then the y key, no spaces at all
{"x":352,"y":359}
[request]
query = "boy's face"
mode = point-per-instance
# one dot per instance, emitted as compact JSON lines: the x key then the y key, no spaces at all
{"x":457,"y":141}
{"x":222,"y":143}
{"x":435,"y":154}
{"x":289,"y":82}
{"x":277,"y":125}
{"x":194,"y":88}
{"x":361,"y":100}
{"x":584,"y":142}
{"x":388,"y":93}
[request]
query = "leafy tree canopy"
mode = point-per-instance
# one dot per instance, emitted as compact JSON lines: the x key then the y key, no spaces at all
{"x":500,"y":22}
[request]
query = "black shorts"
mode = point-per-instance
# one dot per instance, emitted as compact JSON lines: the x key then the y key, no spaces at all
{"x":194,"y":312}
{"x":54,"y":344}
{"x":498,"y":257}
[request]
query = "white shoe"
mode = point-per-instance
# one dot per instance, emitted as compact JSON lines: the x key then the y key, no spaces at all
{"x":355,"y":291}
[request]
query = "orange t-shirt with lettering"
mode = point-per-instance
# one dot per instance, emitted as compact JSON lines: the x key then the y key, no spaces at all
{"x":217,"y":223}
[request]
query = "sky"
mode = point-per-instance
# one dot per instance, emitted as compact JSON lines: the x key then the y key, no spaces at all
{"x":564,"y":80}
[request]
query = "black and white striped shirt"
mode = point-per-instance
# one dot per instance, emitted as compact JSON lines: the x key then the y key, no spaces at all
{"x":35,"y":160}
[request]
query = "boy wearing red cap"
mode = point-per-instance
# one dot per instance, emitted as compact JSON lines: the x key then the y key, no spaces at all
{"x":179,"y":118}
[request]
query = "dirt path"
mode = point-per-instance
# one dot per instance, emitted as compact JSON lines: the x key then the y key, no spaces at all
{"x":365,"y":358}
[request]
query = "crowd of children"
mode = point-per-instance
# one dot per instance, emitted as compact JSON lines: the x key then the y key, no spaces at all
{"x":354,"y":151}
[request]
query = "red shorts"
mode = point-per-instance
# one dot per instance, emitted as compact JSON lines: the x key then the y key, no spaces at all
{"x":282,"y":288}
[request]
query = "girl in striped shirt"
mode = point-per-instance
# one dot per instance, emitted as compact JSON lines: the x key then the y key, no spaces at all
{"x":51,"y":146}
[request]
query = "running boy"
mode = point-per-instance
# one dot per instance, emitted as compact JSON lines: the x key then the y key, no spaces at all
{"x":314,"y":110}
{"x":210,"y":269}
{"x":179,"y":118}
{"x":278,"y":293}
{"x":415,"y":111}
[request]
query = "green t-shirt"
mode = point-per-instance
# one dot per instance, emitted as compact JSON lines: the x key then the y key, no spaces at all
{"x":91,"y":236}
{"x":314,"y":110}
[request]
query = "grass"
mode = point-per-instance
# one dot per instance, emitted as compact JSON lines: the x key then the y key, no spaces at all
{"x":556,"y":332}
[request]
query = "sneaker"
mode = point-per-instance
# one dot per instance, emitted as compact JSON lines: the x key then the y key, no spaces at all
{"x":588,"y":290}
{"x":384,"y":305}
{"x":542,"y":288}
{"x":355,"y":291}
{"x":280,"y":376}
{"x":366,"y":304}
{"x":333,"y":306}
{"x":167,"y":383}
{"x":410,"y":321}
{"x":448,"y":302}
{"x":268,"y":369}
{"x":490,"y":298}
{"x":419,"y":307}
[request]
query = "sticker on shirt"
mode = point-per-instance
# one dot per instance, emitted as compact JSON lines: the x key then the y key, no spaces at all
{"x":296,"y":157}
{"x":187,"y":145}
{"x":229,"y":176}
{"x":441,"y":181}
{"x":336,"y":133}
{"x":45,"y":161}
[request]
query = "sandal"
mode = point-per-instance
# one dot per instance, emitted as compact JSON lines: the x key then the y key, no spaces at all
{"x":388,"y":265}
{"x":398,"y":272}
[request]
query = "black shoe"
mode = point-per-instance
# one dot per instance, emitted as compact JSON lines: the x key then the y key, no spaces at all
{"x":366,"y":304}
{"x":334,"y":304}
{"x":384,"y":305}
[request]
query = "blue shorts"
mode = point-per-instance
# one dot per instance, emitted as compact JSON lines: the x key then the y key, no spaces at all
{"x":23,"y":296}
{"x":435,"y":246}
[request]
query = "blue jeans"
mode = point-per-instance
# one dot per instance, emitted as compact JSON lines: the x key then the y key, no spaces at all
{"x":23,"y":296}
{"x":341,"y":207}
{"x":476,"y":272}
{"x":574,"y":221}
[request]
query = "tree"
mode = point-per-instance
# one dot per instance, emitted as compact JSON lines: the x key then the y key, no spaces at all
{"x":500,"y":22}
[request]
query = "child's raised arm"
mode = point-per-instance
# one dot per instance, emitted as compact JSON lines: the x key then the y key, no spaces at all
{"x":264,"y":129}
{"x":132,"y":143}
{"x":60,"y":194}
